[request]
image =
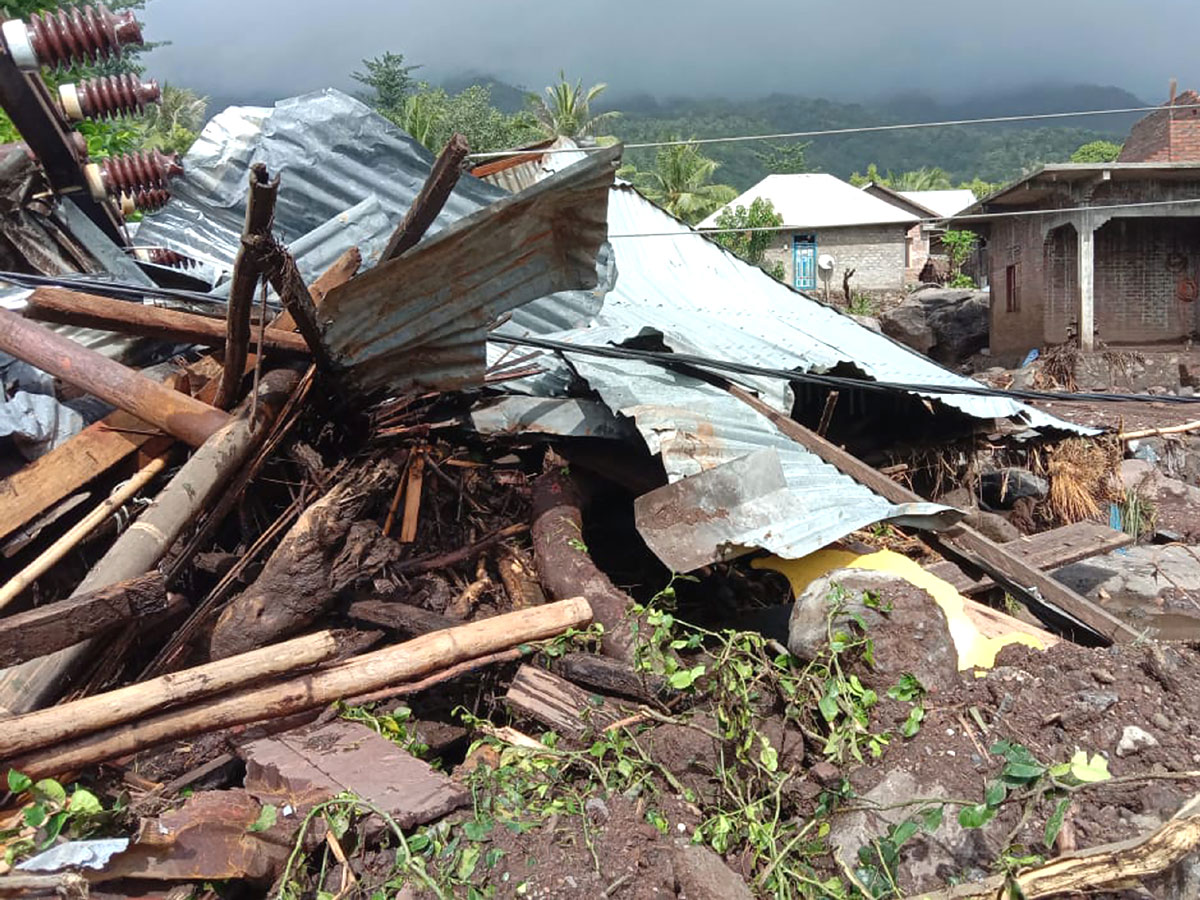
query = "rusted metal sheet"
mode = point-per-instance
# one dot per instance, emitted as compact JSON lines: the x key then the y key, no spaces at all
{"x":437,"y":298}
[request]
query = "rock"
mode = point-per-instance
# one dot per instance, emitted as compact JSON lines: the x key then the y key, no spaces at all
{"x":906,"y":323}
{"x":1134,"y":739}
{"x":1002,"y":488}
{"x":1145,"y":581}
{"x":702,"y":875}
{"x":1103,"y":676}
{"x":596,"y":809}
{"x":868,"y":322}
{"x":959,"y":320}
{"x":908,"y":629}
{"x":1161,"y":721}
{"x":991,"y":525}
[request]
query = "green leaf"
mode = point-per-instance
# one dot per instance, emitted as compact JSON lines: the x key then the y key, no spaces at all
{"x":903,"y":832}
{"x":931,"y":819}
{"x":975,"y":816}
{"x":35,"y":815}
{"x":828,"y":703}
{"x":85,"y":803}
{"x":53,"y":828}
{"x":477,"y":830}
{"x":1089,"y":771}
{"x":995,"y":794}
{"x":768,"y":756}
{"x":266,"y":818}
{"x":51,"y":790}
{"x":418,"y":842}
{"x":492,"y":857}
{"x":1055,"y":823}
{"x":907,"y":689}
{"x":682,"y":679}
{"x":1024,"y":771}
{"x":913,"y":723}
{"x":18,"y":783}
{"x":467,"y":863}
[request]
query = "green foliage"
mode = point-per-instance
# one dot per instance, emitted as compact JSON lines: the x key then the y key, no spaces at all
{"x":565,"y":109}
{"x":751,"y":245}
{"x":863,"y":305}
{"x":396,"y":726}
{"x":926,"y":178}
{"x":785,"y":159}
{"x":959,"y":246}
{"x":1097,"y":152}
{"x":53,"y":813}
{"x":390,"y":81}
{"x":1138,"y":513}
{"x":681,"y":182}
{"x":173,"y":125}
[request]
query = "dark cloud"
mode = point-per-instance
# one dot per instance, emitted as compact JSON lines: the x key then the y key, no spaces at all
{"x":861,"y":48}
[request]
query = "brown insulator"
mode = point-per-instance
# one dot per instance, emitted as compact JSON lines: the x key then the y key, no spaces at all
{"x":116,"y":95}
{"x":84,"y":34}
{"x":151,"y":200}
{"x":161,"y":256}
{"x":135,"y":172}
{"x":79,"y":142}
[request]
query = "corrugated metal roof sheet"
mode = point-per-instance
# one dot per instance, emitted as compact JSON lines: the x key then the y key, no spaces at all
{"x":818,"y":201}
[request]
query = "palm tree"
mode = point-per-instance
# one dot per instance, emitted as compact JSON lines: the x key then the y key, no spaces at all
{"x":172,"y":124}
{"x":681,"y":183}
{"x":922,"y":179}
{"x":565,"y":111}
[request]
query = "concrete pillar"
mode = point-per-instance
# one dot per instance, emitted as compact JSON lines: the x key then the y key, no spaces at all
{"x":1085,"y":228}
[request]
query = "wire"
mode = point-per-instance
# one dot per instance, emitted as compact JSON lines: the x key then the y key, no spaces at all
{"x":670,"y":360}
{"x":857,"y":129}
{"x":692,"y":230}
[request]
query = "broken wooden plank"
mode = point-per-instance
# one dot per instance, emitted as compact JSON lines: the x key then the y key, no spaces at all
{"x":415,"y":482}
{"x":558,"y":704}
{"x":74,"y":535}
{"x":49,"y":304}
{"x":90,"y":714}
{"x":433,"y":196}
{"x":610,"y":676}
{"x":1048,"y":551}
{"x":179,"y":415}
{"x":309,"y":765}
{"x":247,"y":273}
{"x":1031,"y":586}
{"x":356,"y":675}
{"x":51,"y":627}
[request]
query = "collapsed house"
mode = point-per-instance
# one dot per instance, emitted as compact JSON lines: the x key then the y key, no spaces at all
{"x":461,"y":433}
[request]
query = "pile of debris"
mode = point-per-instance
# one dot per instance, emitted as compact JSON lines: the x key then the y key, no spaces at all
{"x":429,"y":539}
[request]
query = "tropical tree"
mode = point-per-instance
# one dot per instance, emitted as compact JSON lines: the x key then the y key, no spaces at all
{"x":748,"y":232}
{"x":785,"y":159}
{"x":1097,"y":152}
{"x":681,"y":182}
{"x":926,"y":178}
{"x":566,"y":109}
{"x":173,"y":125}
{"x":389,"y":79}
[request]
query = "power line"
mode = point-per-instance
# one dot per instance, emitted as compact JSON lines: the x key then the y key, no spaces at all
{"x":856,"y":129}
{"x":710,"y":364}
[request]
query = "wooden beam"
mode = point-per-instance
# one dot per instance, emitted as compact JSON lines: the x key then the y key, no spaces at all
{"x":1032,"y":587}
{"x":434,"y":194}
{"x":1047,"y":551}
{"x":45,"y":629}
{"x":179,"y":415}
{"x":50,"y":304}
{"x":558,"y":704}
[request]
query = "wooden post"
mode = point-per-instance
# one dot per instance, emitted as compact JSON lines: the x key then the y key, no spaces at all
{"x":356,"y":675}
{"x":434,"y":194}
{"x":49,"y":304}
{"x":48,"y":726}
{"x":174,"y":412}
{"x":1085,"y":227}
{"x":247,"y":272}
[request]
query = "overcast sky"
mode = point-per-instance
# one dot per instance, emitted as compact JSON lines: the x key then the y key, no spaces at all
{"x":855,"y":49}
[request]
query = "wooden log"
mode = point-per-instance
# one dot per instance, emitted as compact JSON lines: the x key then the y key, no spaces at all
{"x":1155,"y":432}
{"x":50,"y":304}
{"x":69,"y":721}
{"x":247,"y":273}
{"x":174,"y":412}
{"x":1034,"y":588}
{"x":356,"y":675}
{"x":519,"y":579}
{"x":433,"y":196}
{"x":610,"y":676}
{"x":64,"y":885}
{"x":461,"y":555}
{"x":396,"y":615}
{"x":299,"y":302}
{"x":44,"y":629}
{"x":74,"y":535}
{"x":1048,"y":551}
{"x":565,"y":567}
{"x":28,"y":493}
{"x":34,"y":683}
{"x":558,"y":704}
{"x":313,"y":563}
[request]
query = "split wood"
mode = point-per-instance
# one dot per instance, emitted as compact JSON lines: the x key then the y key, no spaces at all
{"x":351,"y":677}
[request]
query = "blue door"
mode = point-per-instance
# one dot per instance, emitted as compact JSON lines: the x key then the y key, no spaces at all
{"x":804,"y":257}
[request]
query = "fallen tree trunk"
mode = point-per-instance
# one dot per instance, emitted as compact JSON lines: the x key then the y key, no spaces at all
{"x":44,"y":629}
{"x":69,"y":721}
{"x":564,"y":565}
{"x":1107,"y":867}
{"x":174,"y":412}
{"x":91,"y":311}
{"x":320,"y":556}
{"x":35,"y":683}
{"x":356,"y":675}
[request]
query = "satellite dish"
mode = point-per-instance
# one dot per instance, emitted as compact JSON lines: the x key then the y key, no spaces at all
{"x":825,"y":262}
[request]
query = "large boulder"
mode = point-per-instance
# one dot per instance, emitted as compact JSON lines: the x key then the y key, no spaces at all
{"x":947,"y":325}
{"x":1153,"y":585}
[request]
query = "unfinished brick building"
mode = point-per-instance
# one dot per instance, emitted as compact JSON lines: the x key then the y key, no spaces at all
{"x":1170,"y":134}
{"x":1065,"y":264}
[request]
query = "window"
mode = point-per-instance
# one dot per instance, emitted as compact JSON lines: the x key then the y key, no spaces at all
{"x":804,"y":261}
{"x":1012,"y":299}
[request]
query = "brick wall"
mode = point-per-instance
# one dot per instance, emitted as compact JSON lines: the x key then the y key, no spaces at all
{"x":876,"y":252}
{"x":1166,"y":135}
{"x":1015,"y":242}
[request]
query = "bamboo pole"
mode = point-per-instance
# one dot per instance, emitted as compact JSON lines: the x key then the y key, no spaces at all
{"x":351,"y":677}
{"x":70,"y":721}
{"x":89,"y":523}
{"x":1155,"y":432}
